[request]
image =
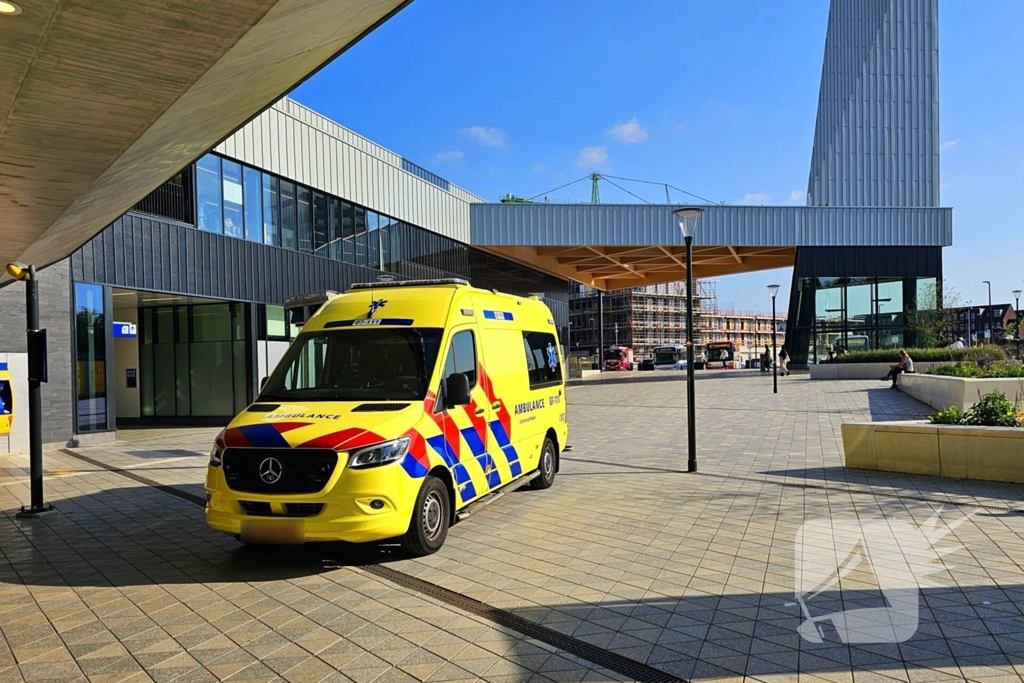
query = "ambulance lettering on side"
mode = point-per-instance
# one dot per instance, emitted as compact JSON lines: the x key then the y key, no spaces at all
{"x":391,"y":415}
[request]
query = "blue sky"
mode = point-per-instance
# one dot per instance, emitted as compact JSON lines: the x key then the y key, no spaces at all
{"x":717,"y":98}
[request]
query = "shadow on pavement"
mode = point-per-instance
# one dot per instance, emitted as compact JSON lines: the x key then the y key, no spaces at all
{"x":136,"y":536}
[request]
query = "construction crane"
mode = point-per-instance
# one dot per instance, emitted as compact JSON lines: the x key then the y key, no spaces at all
{"x":595,"y":190}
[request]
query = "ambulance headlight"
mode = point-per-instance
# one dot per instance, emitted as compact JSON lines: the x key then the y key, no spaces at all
{"x":380,"y":454}
{"x":216,"y":453}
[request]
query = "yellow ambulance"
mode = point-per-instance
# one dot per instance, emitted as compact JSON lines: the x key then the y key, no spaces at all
{"x":400,"y":408}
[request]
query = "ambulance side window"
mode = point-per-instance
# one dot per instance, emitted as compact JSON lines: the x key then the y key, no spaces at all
{"x":542,"y":359}
{"x":462,"y":356}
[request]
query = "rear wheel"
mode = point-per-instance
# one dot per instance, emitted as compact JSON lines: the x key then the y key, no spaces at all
{"x":430,"y":518}
{"x":546,"y":467}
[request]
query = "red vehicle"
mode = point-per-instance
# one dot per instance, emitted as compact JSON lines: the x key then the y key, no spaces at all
{"x":618,"y":358}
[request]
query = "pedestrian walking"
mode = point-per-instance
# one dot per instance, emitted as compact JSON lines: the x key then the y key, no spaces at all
{"x":784,"y":361}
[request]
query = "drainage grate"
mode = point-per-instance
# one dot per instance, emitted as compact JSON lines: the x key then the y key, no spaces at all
{"x":818,"y":487}
{"x":624,"y":666}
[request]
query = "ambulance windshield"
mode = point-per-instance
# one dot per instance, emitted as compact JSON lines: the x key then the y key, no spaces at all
{"x":356,"y":364}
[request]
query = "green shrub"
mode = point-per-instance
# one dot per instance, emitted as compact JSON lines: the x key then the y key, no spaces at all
{"x":949,"y":416}
{"x":975,"y":353}
{"x":993,"y":410}
{"x":971,"y":369}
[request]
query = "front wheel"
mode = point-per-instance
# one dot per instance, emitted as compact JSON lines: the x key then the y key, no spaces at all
{"x":546,"y":467}
{"x":430,"y":518}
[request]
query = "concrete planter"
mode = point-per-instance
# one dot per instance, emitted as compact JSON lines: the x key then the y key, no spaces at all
{"x":958,"y":452}
{"x":941,"y":392}
{"x":861,"y":370}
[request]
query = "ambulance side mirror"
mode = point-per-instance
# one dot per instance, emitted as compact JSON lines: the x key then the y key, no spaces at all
{"x":456,"y":390}
{"x":263,"y":383}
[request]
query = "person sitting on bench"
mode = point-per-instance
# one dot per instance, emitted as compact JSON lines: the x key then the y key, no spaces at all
{"x":906,"y":365}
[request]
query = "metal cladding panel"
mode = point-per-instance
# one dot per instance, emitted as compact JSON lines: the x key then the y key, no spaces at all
{"x":139,"y":252}
{"x":876,"y":139}
{"x":296,"y":143}
{"x":654,"y":224}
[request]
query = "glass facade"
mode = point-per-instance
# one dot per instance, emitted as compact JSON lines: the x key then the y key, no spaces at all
{"x":244,"y":202}
{"x":91,"y":351}
{"x":193,"y":360}
{"x":863,"y":314}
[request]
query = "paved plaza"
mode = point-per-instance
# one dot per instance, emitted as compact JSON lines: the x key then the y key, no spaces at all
{"x":627,"y":569}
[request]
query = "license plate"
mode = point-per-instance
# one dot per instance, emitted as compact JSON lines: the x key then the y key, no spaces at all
{"x":265,"y":531}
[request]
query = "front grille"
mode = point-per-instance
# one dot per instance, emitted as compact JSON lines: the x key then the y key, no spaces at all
{"x":303,"y":509}
{"x":262,"y":508}
{"x":380,"y":407}
{"x":300,"y":470}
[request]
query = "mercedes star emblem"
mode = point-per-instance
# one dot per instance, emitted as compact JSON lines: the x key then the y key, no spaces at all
{"x":271,"y":470}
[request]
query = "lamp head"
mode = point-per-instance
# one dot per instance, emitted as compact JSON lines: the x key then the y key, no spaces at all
{"x":17,"y":270}
{"x":688,"y":217}
{"x":773,"y":290}
{"x":1016,"y":293}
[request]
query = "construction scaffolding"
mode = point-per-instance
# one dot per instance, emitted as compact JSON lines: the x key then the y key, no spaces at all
{"x":641,"y":318}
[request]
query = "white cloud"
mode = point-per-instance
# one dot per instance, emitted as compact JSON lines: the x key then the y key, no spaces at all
{"x":488,"y":137}
{"x":756,"y":198}
{"x":631,"y":131}
{"x":592,"y":156}
{"x":944,"y":187}
{"x":797,"y":196}
{"x":949,"y":144}
{"x":450,"y":155}
{"x":538,"y":168}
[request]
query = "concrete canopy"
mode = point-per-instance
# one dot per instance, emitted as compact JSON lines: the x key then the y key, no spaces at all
{"x":102,"y":100}
{"x":615,"y":246}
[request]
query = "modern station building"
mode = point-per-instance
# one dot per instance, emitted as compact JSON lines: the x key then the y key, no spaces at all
{"x":173,"y":313}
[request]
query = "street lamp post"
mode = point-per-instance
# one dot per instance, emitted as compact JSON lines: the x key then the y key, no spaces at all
{"x":1016,"y":310}
{"x":616,"y":334}
{"x":774,"y":290}
{"x":991,"y":316}
{"x":36,"y":376}
{"x":688,"y":219}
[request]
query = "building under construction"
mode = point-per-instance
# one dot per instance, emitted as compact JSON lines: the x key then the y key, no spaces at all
{"x":645,"y":317}
{"x":641,"y":318}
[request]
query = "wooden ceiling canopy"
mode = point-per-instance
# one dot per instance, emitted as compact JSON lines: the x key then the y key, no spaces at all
{"x":618,"y":267}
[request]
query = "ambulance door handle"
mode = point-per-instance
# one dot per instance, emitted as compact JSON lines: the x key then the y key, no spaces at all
{"x":495,"y":406}
{"x":480,"y":411}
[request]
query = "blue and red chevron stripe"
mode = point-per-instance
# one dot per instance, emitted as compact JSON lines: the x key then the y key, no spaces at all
{"x":263,"y":435}
{"x":416,"y":463}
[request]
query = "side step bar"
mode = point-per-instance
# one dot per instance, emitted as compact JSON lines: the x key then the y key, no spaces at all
{"x":487,"y":500}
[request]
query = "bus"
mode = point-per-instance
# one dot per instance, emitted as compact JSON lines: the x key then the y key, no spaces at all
{"x":670,"y":357}
{"x":723,"y":352}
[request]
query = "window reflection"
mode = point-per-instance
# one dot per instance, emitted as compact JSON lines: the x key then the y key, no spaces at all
{"x":232,"y":174}
{"x":91,"y":348}
{"x":288,"y":236}
{"x":271,"y":211}
{"x":320,"y":240}
{"x":360,"y":228}
{"x":253,"y":205}
{"x":208,"y":191}
{"x":304,"y":218}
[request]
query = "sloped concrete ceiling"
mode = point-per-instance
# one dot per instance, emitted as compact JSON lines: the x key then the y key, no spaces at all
{"x":102,"y":100}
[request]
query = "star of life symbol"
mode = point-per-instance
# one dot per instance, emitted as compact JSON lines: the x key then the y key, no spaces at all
{"x":376,"y":304}
{"x":900,"y":555}
{"x":552,"y":357}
